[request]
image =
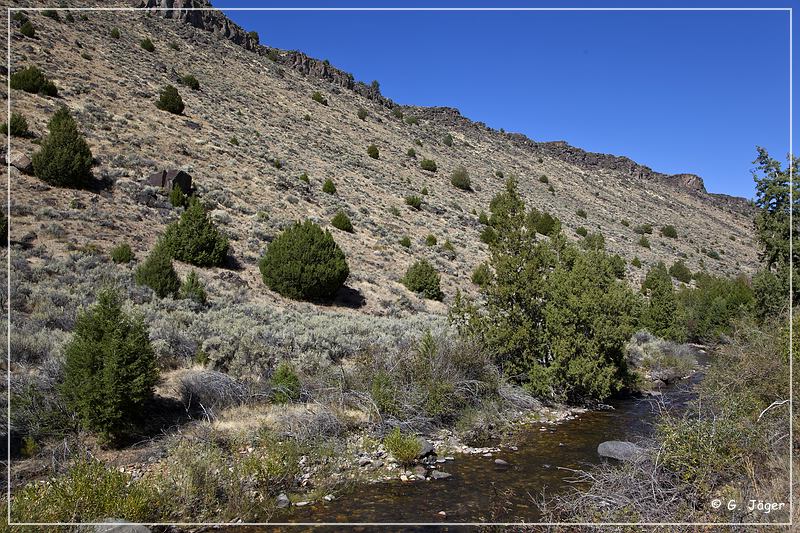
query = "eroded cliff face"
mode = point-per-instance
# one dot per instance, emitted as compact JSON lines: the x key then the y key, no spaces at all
{"x":217,"y":23}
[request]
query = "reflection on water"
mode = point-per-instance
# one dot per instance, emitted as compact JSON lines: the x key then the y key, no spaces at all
{"x":472,"y":493}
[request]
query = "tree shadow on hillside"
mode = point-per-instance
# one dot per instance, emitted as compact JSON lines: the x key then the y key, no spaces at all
{"x":350,"y":298}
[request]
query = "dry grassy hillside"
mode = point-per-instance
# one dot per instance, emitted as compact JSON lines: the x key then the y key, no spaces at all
{"x":252,"y":129}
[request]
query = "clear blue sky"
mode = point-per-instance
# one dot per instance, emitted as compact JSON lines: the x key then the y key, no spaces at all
{"x":677,"y":91}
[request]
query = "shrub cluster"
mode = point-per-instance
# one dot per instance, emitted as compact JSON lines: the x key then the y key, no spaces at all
{"x":122,"y":253}
{"x":110,"y":369}
{"x":460,"y":179}
{"x":342,"y":221}
{"x":147,"y":44}
{"x":404,"y":448}
{"x":304,"y":263}
{"x":191,"y":82}
{"x":317,"y":97}
{"x":414,"y":201}
{"x":423,"y":279}
{"x":680,"y":271}
{"x":428,"y":164}
{"x":158,"y":273}
{"x":33,"y":80}
{"x":17,"y":127}
{"x":194,"y":239}
{"x":328,"y":187}
{"x":170,"y":100}
{"x":285,"y":384}
{"x":64,"y":158}
{"x":372,"y":151}
{"x":669,"y":231}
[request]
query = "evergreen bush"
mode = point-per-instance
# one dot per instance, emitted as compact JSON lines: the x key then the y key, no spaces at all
{"x":328,"y":187}
{"x":285,"y":384}
{"x":122,"y":253}
{"x":372,"y":151}
{"x":428,"y":164}
{"x":194,"y":239}
{"x":158,"y":273}
{"x":63,"y":159}
{"x":33,"y":80}
{"x":423,"y":279}
{"x":304,"y":263}
{"x":110,"y":369}
{"x":342,"y":221}
{"x":460,"y":179}
{"x":170,"y":100}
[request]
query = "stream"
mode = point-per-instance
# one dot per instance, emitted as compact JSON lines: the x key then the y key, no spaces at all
{"x":471,"y":494}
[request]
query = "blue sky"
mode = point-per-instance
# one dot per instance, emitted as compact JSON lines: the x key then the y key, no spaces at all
{"x":675,"y":90}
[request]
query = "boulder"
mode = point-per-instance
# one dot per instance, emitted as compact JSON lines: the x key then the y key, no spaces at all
{"x":120,"y":526}
{"x":282,"y":501}
{"x":420,"y":471}
{"x":619,"y":450}
{"x":23,"y":163}
{"x":500,"y":462}
{"x":425,"y":448}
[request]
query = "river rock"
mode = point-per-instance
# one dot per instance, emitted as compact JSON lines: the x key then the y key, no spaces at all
{"x":420,"y":471}
{"x":440,"y":475}
{"x":120,"y":526}
{"x":282,"y":501}
{"x":425,"y":448}
{"x":619,"y":450}
{"x":500,"y":462}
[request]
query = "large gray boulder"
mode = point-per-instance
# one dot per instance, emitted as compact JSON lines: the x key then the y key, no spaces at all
{"x":619,"y":450}
{"x":425,"y":448}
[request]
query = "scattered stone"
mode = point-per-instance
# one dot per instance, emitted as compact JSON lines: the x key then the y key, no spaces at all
{"x":619,"y":450}
{"x":487,"y":454}
{"x":302,"y":504}
{"x":403,"y":477}
{"x":436,"y":474}
{"x":364,"y":461}
{"x":442,"y":514}
{"x":500,"y":462}
{"x":449,"y":458}
{"x":426,"y":448}
{"x":22,"y":163}
{"x":420,"y":471}
{"x":329,"y":497}
{"x":282,"y":501}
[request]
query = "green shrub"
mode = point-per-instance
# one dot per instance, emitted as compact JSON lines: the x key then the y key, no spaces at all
{"x":384,"y":393}
{"x":550,"y":297}
{"x":122,"y":253}
{"x":423,"y":279}
{"x":404,"y":448}
{"x":51,"y":14}
{"x":499,"y":174}
{"x":170,"y":100}
{"x":414,"y":201}
{"x":544,"y":179}
{"x":317,"y":97}
{"x":194,"y":239}
{"x":424,"y":191}
{"x":428,"y":164}
{"x":158,"y":273}
{"x":483,"y":218}
{"x":669,"y":231}
{"x":716,"y":303}
{"x":636,"y":262}
{"x":680,"y":271}
{"x":412,"y":121}
{"x":582,"y":231}
{"x":625,"y":223}
{"x":27,"y":29}
{"x":342,"y":221}
{"x":328,"y":187}
{"x":33,"y":80}
{"x":643,"y":229}
{"x":173,"y":46}
{"x":177,"y":198}
{"x":362,"y":113}
{"x":285,"y":384}
{"x":397,"y":113}
{"x":192,"y":289}
{"x":411,"y":152}
{"x":543,"y":222}
{"x":63,"y":159}
{"x":661,"y":316}
{"x":394,"y":211}
{"x":643,"y":242}
{"x":372,"y":151}
{"x":18,"y":126}
{"x":460,"y":179}
{"x":594,"y":241}
{"x":447,"y":140}
{"x":405,"y":242}
{"x":304,"y":263}
{"x":304,"y":177}
{"x":430,"y":240}
{"x":581,"y":213}
{"x":234,"y":141}
{"x":115,"y":33}
{"x":488,"y":235}
{"x":19,"y":16}
{"x":191,"y":82}
{"x":87,"y":492}
{"x":147,"y":44}
{"x":110,"y":368}
{"x":448,"y":246}
{"x":482,"y":275}
{"x":713,"y":254}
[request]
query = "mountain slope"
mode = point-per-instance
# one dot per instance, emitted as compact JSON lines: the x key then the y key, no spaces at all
{"x":262,"y":98}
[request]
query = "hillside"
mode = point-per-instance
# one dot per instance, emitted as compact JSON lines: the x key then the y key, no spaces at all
{"x":247,"y":136}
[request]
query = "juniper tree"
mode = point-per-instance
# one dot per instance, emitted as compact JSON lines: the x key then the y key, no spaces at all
{"x":110,"y":368}
{"x":64,"y":158}
{"x":194,"y":239}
